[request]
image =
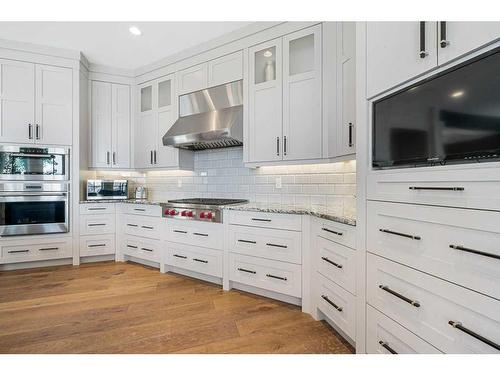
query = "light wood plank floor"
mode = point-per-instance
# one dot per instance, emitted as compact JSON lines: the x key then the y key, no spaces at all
{"x":129,"y":308}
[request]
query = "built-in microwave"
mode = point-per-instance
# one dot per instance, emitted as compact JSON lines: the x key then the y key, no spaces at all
{"x":34,"y":163}
{"x":107,"y":189}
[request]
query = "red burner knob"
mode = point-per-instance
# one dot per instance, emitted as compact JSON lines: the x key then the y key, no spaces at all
{"x":173,"y":212}
{"x":167,"y":212}
{"x":189,"y":213}
{"x":209,"y":215}
{"x":202,"y":215}
{"x":183,"y":213}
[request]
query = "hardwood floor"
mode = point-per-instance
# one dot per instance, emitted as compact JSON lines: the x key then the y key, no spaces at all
{"x":129,"y":308}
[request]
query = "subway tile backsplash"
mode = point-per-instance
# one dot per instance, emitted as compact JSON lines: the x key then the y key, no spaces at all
{"x":221,"y":174}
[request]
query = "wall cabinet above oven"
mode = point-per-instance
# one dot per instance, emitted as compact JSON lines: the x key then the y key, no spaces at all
{"x":36,"y":103}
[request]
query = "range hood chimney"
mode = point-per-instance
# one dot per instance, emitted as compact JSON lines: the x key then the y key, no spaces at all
{"x":211,"y":118}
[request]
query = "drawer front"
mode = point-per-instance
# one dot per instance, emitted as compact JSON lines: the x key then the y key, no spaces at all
{"x":337,"y":232}
{"x":466,"y":188}
{"x":266,"y":220}
{"x":338,"y":305}
{"x":102,"y":244}
{"x":385,"y":336}
{"x":459,"y":245}
{"x":149,"y":227}
{"x":97,"y":208}
{"x":140,"y":209}
{"x":271,"y":275}
{"x":197,"y":259}
{"x":273,"y":244}
{"x":42,"y":250}
{"x":451,"y":318}
{"x":142,"y":248}
{"x":209,"y":235}
{"x":97,"y":224}
{"x":337,"y":263}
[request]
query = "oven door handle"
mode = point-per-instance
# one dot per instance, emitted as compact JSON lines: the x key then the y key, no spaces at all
{"x":21,"y":154}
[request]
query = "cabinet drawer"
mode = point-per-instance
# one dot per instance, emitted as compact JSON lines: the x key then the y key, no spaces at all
{"x":97,"y":208}
{"x":97,"y":224}
{"x":140,"y":209}
{"x":337,"y":263}
{"x":341,"y":233}
{"x":142,"y":248}
{"x":197,"y":259}
{"x":385,"y":336}
{"x":451,"y":318}
{"x":102,"y":244}
{"x":225,"y":69}
{"x":266,"y":220}
{"x":274,"y":244}
{"x":196,"y":233}
{"x":459,"y":245}
{"x":42,"y":250}
{"x":338,"y":305}
{"x":266,"y":274}
{"x":466,"y":188}
{"x":149,"y":227}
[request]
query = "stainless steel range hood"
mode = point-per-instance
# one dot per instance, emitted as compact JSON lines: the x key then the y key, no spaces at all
{"x":211,"y":118}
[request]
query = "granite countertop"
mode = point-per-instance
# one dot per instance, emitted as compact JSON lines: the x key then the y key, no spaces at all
{"x":318,"y":211}
{"x":131,"y":201}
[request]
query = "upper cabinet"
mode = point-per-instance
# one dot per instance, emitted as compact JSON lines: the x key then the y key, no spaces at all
{"x":36,"y":103}
{"x":401,"y":51}
{"x":194,"y":78}
{"x":110,"y":125}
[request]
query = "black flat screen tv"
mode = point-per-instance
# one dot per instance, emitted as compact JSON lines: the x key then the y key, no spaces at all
{"x":451,"y":117}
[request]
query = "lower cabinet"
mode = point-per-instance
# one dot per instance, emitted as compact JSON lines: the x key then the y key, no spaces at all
{"x":142,"y":248}
{"x":193,"y":258}
{"x":102,"y":244}
{"x":97,"y":229}
{"x":35,"y":250}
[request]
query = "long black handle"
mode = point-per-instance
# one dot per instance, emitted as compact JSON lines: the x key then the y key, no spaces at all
{"x":248,"y":241}
{"x":146,"y":249}
{"x":332,"y":262}
{"x":200,"y":260}
{"x":200,"y":234}
{"x":422,"y":52}
{"x":154,"y":156}
{"x":284,"y":145}
{"x":98,"y":245}
{"x":96,"y":208}
{"x":478,"y":252}
{"x":30,"y":131}
{"x":332,"y":231}
{"x":460,"y":327}
{"x":278,"y":146}
{"x":335,"y":306}
{"x":140,"y":209}
{"x":132,"y":225}
{"x":146,"y":227}
{"x":180,"y":231}
{"x":275,"y":245}
{"x":400,"y":296}
{"x":451,"y":188}
{"x":17,"y":251}
{"x":180,"y":256}
{"x":443,"y":42}
{"x":276,"y":277}
{"x":387,"y":347}
{"x":247,"y":271}
{"x":48,"y":248}
{"x":266,"y":220}
{"x":132,"y":246}
{"x":351,"y":143}
{"x":37,"y":132}
{"x":401,"y":234}
{"x":96,"y":225}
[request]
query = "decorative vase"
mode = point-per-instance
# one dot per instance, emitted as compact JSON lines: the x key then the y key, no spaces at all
{"x":269,"y":71}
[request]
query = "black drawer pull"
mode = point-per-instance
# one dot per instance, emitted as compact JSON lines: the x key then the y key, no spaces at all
{"x":275,"y":245}
{"x":146,"y":249}
{"x":387,"y":347}
{"x":265,"y":220}
{"x":98,"y":245}
{"x":180,"y":231}
{"x":248,"y":241}
{"x":18,"y":251}
{"x":140,"y":209}
{"x":200,"y":260}
{"x":332,"y":231}
{"x":96,"y":225}
{"x":460,"y":327}
{"x":33,"y":186}
{"x":332,"y":262}
{"x":96,"y":208}
{"x":200,"y":234}
{"x":247,"y":271}
{"x":452,"y":188}
{"x":458,"y":247}
{"x":180,"y":256}
{"x":48,"y":248}
{"x":132,"y":246}
{"x":400,"y":296}
{"x":401,"y":234}
{"x":276,"y":277}
{"x":335,"y":306}
{"x":132,"y":225}
{"x":146,"y":227}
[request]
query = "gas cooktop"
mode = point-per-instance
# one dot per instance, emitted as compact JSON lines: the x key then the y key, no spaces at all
{"x":208,"y":201}
{"x":202,"y":209}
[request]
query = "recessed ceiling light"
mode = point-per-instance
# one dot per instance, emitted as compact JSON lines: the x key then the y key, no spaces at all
{"x":134,"y":30}
{"x":457,"y":94}
{"x":268,"y":53}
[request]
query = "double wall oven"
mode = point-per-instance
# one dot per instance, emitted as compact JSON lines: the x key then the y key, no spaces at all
{"x":34,"y":190}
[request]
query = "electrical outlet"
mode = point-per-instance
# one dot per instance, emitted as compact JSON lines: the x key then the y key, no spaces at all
{"x":179,"y":182}
{"x":278,"y":182}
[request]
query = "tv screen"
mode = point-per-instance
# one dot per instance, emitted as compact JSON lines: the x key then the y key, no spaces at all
{"x":454,"y":116}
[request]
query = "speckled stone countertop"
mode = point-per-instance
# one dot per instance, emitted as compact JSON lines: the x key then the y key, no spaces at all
{"x":131,"y":201}
{"x":318,"y":211}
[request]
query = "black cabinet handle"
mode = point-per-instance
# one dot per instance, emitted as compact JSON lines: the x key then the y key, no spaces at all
{"x":151,"y":157}
{"x":180,"y":256}
{"x":332,"y":262}
{"x":200,"y":234}
{"x":332,"y":231}
{"x":96,"y":208}
{"x":180,"y":231}
{"x":132,"y":225}
{"x":278,"y":146}
{"x":37,"y":131}
{"x":265,"y":220}
{"x":33,"y":186}
{"x":478,"y":252}
{"x":146,"y":227}
{"x":247,"y":271}
{"x":48,"y":248}
{"x":96,"y":225}
{"x":114,"y":158}
{"x":200,"y":260}
{"x":387,"y":347}
{"x":140,"y":209}
{"x":275,"y":245}
{"x":146,"y":249}
{"x":18,"y":251}
{"x":460,"y":327}
{"x":443,"y":42}
{"x":401,"y":234}
{"x":97,"y":245}
{"x":451,"y":188}
{"x":107,"y":157}
{"x":335,"y":306}
{"x":351,"y":143}
{"x":400,"y":296}
{"x":132,"y":246}
{"x":30,"y":131}
{"x":276,"y":277}
{"x":248,"y":241}
{"x":423,"y":53}
{"x":154,"y":157}
{"x":284,"y":145}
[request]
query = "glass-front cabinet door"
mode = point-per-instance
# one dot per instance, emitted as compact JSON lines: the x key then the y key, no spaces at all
{"x":145,"y":129}
{"x":166,"y":156}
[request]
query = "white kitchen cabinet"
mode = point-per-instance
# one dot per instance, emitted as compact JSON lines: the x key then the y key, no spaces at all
{"x":457,"y":38}
{"x":110,"y":132}
{"x":393,"y":53}
{"x":194,"y":78}
{"x":225,"y":69}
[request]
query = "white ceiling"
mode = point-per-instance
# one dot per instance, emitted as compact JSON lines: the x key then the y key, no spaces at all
{"x":111,"y":44}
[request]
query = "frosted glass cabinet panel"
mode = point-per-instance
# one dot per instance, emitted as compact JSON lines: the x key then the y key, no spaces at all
{"x":265,"y":65}
{"x":301,"y":55}
{"x":146,"y":98}
{"x":164,"y":93}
